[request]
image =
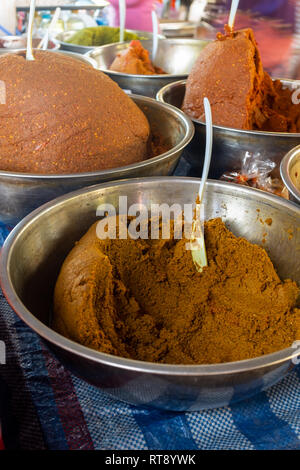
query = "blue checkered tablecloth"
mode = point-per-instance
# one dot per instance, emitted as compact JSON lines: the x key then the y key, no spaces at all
{"x":49,"y":408}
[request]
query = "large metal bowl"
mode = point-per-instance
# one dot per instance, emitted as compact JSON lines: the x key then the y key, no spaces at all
{"x":174,"y":56}
{"x":74,"y":55}
{"x":63,"y":37}
{"x":35,"y":250}
{"x":230,"y":145}
{"x":287,"y":168}
{"x":21,"y":192}
{"x":18,"y":43}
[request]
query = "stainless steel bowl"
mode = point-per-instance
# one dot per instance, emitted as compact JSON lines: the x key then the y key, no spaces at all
{"x":63,"y":37}
{"x":82,"y":58}
{"x":187,"y":29}
{"x":288,"y":173}
{"x":174,"y":56}
{"x":172,"y":28}
{"x":230,"y":145}
{"x":21,"y":192}
{"x":34,"y":252}
{"x":18,"y":43}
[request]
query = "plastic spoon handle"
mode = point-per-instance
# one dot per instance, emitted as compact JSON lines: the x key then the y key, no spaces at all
{"x":199,"y":251}
{"x":29,"y":54}
{"x":46,"y":40}
{"x":155,"y":35}
{"x":43,"y":44}
{"x":122,"y":8}
{"x":233,"y":10}
{"x":208,"y":147}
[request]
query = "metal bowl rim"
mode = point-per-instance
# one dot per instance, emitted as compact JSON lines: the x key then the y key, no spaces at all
{"x":78,"y":56}
{"x":88,"y":48}
{"x":161,"y":76}
{"x":115,"y":361}
{"x":189,"y":128}
{"x":285,"y":166}
{"x":75,"y":55}
{"x":160,"y":94}
{"x":174,"y":25}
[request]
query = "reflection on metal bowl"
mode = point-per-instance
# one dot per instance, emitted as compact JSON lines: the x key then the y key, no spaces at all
{"x":21,"y":193}
{"x":230,"y":145}
{"x":174,"y":56}
{"x":290,"y":173}
{"x":33,"y":254}
{"x":187,"y":29}
{"x":67,"y":46}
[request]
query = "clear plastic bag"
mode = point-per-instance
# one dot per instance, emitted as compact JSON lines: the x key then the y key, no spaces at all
{"x":256,"y":173}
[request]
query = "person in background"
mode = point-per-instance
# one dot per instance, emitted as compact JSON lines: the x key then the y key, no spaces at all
{"x":283,"y":10}
{"x":138,"y":14}
{"x":274,"y":23}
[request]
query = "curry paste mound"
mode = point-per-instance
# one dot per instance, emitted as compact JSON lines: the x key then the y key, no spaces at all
{"x":144,"y":299}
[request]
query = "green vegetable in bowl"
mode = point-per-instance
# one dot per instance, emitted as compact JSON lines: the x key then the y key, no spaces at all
{"x":100,"y":35}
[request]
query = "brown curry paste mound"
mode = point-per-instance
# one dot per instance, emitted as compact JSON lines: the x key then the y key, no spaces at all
{"x":230,"y":73}
{"x":135,"y":60}
{"x":144,"y":299}
{"x":60,"y":115}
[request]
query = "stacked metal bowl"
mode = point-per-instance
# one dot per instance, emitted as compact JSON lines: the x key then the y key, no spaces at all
{"x":230,"y":145}
{"x":21,"y":192}
{"x":63,"y":40}
{"x":290,"y":173}
{"x":175,"y":56}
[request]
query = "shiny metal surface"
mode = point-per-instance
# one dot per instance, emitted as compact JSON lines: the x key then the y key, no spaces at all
{"x":286,"y":166}
{"x":62,"y":37}
{"x":230,"y":145}
{"x":21,"y":193}
{"x":80,"y":57}
{"x":174,"y":56}
{"x":33,"y":254}
{"x":173,"y":28}
{"x":18,"y":43}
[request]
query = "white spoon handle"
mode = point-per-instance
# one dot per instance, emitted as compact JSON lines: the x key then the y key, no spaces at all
{"x":51,"y":27}
{"x":122,"y":8}
{"x":233,"y":10}
{"x":199,"y":251}
{"x":29,"y":54}
{"x":208,"y":147}
{"x":155,"y":35}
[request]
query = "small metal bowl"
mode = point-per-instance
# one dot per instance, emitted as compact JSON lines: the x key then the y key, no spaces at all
{"x":174,"y":56}
{"x":230,"y":144}
{"x":18,"y":43}
{"x":23,"y":192}
{"x":187,"y":29}
{"x":287,"y":171}
{"x":66,"y":46}
{"x":35,"y":250}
